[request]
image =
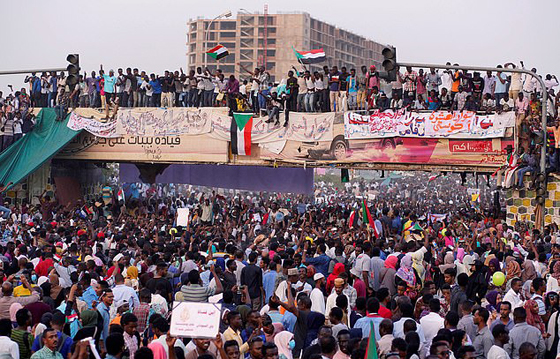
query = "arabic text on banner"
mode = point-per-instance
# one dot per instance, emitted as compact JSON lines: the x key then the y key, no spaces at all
{"x":306,"y":127}
{"x":100,"y":129}
{"x":437,"y":124}
{"x":166,"y":121}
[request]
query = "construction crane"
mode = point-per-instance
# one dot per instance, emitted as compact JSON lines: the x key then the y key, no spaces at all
{"x":265,"y":37}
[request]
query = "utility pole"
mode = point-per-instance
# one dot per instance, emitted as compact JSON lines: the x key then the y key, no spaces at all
{"x":516,"y":70}
{"x":17,"y":72}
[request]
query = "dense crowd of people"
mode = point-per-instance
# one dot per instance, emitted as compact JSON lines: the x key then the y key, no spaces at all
{"x":413,"y":265}
{"x":302,"y":90}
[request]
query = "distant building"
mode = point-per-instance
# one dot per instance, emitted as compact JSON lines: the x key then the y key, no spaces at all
{"x":244,"y":38}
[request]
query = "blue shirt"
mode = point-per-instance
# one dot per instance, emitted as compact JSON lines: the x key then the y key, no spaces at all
{"x":501,"y":87}
{"x":276,"y":317}
{"x":335,"y":85}
{"x":432,"y":105}
{"x":269,"y":279}
{"x":397,"y":224}
{"x":156,"y":86}
{"x":245,"y":334}
{"x":54,"y":84}
{"x":364,"y":324}
{"x":321,"y":264}
{"x":109,"y":85}
{"x":289,"y":321}
{"x":352,"y":84}
{"x":35,"y":84}
{"x":89,"y":296}
{"x":104,"y":311}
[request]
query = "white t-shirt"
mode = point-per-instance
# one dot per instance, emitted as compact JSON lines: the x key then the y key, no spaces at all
{"x":496,"y":352}
{"x":446,"y":81}
{"x":362,"y":263}
{"x":8,"y":348}
{"x":17,"y":125}
{"x":317,"y":301}
{"x":146,"y":87}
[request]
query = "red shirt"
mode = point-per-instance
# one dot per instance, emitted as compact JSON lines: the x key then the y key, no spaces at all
{"x":360,"y":287}
{"x":42,"y":268}
{"x":384,"y":312}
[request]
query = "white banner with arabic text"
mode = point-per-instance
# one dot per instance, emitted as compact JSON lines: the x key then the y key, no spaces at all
{"x":100,"y":129}
{"x":305,"y":127}
{"x":437,"y":124}
{"x":167,"y":121}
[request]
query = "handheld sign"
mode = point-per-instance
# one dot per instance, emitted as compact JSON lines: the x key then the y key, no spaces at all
{"x":182,"y":217}
{"x":195,"y":320}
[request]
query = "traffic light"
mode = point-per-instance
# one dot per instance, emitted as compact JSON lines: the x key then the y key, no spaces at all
{"x":73,"y":69}
{"x":390,"y":63}
{"x":540,"y":184}
{"x":344,"y":175}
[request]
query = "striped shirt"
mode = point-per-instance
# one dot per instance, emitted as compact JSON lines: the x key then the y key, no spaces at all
{"x":194,"y":293}
{"x":24,"y":341}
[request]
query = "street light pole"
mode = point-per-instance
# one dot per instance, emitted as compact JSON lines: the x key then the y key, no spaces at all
{"x":226,"y":14}
{"x":516,"y":70}
{"x":15,"y":72}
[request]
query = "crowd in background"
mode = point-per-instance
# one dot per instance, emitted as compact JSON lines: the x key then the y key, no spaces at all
{"x":412,"y":265}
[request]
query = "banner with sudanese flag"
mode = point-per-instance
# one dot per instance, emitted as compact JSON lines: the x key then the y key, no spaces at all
{"x":240,"y":131}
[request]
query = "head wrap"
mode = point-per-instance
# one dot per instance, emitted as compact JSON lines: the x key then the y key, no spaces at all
{"x":491,"y":297}
{"x":556,"y":270}
{"x":406,"y":272}
{"x":533,"y":317}
{"x":529,"y":272}
{"x":132,"y":272}
{"x":89,"y":318}
{"x":281,"y":340}
{"x":391,"y":262}
{"x":513,"y":270}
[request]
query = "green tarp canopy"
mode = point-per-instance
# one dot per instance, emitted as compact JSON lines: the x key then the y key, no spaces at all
{"x":26,"y":155}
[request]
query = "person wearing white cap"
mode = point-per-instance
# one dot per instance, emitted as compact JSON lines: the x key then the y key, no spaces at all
{"x":317,"y":296}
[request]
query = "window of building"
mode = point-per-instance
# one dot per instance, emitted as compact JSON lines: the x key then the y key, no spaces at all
{"x":247,"y":31}
{"x":193,"y":26}
{"x":269,"y":42}
{"x":227,"y":69}
{"x":270,"y":20}
{"x":270,"y":30}
{"x":227,"y":25}
{"x":229,"y":45}
{"x":227,"y":34}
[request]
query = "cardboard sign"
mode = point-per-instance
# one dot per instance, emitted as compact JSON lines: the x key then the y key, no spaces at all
{"x":183,"y":217}
{"x":195,"y":320}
